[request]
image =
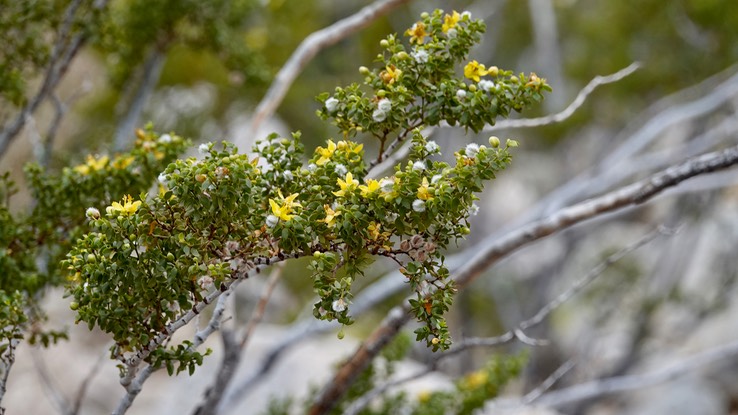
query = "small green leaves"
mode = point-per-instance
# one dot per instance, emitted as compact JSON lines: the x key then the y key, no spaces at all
{"x":150,"y":260}
{"x":178,"y":358}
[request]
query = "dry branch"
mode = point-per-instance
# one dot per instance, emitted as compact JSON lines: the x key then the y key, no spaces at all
{"x":310,"y":47}
{"x":627,"y":383}
{"x":634,"y":194}
{"x":568,"y":111}
{"x":233,"y":349}
{"x":61,"y":57}
{"x":516,"y":333}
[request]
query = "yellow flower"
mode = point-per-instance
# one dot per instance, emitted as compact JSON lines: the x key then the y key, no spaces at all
{"x":347,"y":186}
{"x":476,"y":379}
{"x":373,"y":229}
{"x":390,"y":74}
{"x":370,"y":188}
{"x":92,"y":164}
{"x":349,"y":147}
{"x":417,"y":33}
{"x":330,"y":216}
{"x":128,"y":208}
{"x":424,"y":192}
{"x":473,"y":70}
{"x":77,"y":277}
{"x":449,"y":22}
{"x":325,"y":153}
{"x":284,"y":212}
{"x":123,"y":162}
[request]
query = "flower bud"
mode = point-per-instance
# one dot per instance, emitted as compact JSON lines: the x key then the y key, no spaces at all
{"x":384,"y":43}
{"x":494,"y":141}
{"x":363,"y":70}
{"x":92,"y":213}
{"x":405,"y":245}
{"x":511,"y":143}
{"x":402,"y":56}
{"x":435,"y":340}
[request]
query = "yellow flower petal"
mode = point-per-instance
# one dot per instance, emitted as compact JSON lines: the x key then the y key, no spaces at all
{"x":449,"y":21}
{"x":417,"y":33}
{"x":473,"y":70}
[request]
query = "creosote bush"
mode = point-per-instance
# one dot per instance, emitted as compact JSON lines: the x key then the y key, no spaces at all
{"x":143,"y":266}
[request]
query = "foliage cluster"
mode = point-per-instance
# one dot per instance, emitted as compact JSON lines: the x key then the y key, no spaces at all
{"x":27,"y":46}
{"x":468,"y":393}
{"x":133,"y":28}
{"x":141,"y":266}
{"x":32,"y":245}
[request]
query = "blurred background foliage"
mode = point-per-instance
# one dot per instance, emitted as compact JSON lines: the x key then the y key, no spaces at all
{"x":234,"y":47}
{"x":218,"y":58}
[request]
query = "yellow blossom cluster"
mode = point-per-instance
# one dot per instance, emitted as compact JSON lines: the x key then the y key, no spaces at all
{"x":331,"y":147}
{"x":347,"y":186}
{"x":450,"y":21}
{"x":92,"y":164}
{"x":284,"y":211}
{"x":417,"y":33}
{"x":127,"y":208}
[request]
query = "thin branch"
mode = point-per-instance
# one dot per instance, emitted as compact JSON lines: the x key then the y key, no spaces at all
{"x":634,"y":194}
{"x":628,"y":383}
{"x":549,"y":382}
{"x":569,"y":111}
{"x":517,"y":333}
{"x":367,"y":351}
{"x":367,"y":398}
{"x":133,"y":389}
{"x":595,"y":272}
{"x":135,"y":386}
{"x":389,"y":158}
{"x":79,"y":398}
{"x":548,"y":50}
{"x":661,"y":116}
{"x":256,"y":317}
{"x":630,"y":195}
{"x":314,"y":43}
{"x":134,"y":361}
{"x":58,"y":65}
{"x":59,"y":111}
{"x":151,"y":73}
{"x":7,"y":359}
{"x":233,"y":350}
{"x":52,"y":391}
